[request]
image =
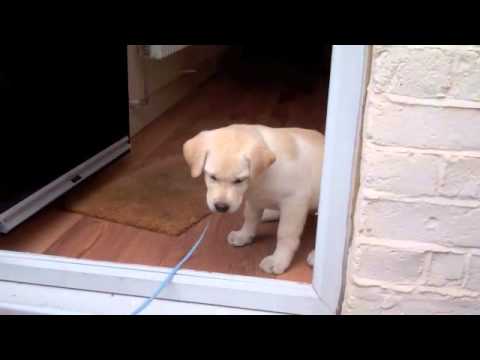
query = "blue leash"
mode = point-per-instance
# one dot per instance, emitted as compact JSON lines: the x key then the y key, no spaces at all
{"x":172,"y":273}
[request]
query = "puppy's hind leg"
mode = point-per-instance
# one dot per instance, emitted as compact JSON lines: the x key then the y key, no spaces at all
{"x":270,"y":215}
{"x":292,"y":221}
{"x":311,"y":258}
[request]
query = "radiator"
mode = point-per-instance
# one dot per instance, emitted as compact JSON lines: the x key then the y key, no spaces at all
{"x":159,"y":52}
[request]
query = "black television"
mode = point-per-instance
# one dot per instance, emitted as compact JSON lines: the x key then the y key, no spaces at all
{"x":63,"y":116}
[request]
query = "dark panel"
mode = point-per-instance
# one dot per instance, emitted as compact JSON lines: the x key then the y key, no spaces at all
{"x":59,"y":106}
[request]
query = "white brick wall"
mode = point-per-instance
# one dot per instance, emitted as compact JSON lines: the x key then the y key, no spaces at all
{"x":416,"y":243}
{"x":389,"y":264}
{"x":462,"y":178}
{"x":473,"y":282}
{"x":446,"y":269}
{"x":428,"y":71}
{"x":421,"y":126}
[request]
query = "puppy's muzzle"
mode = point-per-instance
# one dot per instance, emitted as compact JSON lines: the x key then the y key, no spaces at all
{"x":221,"y":207}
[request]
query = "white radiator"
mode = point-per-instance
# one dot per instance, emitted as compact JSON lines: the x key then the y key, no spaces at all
{"x":159,"y":52}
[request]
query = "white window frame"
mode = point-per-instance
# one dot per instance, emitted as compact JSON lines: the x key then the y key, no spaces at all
{"x":345,"y":110}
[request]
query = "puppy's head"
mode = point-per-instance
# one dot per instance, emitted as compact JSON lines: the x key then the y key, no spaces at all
{"x":230,"y":158}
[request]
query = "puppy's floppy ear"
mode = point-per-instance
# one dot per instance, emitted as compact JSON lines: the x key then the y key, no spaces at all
{"x":195,"y":153}
{"x":260,"y":159}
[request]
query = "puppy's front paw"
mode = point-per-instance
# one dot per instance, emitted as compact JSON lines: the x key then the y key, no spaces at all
{"x":274,"y":265}
{"x":237,"y":238}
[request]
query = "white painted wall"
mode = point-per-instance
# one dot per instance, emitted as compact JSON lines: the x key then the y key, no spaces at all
{"x":159,"y":82}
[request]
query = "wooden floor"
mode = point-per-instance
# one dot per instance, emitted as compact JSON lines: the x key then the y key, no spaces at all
{"x":219,"y":102}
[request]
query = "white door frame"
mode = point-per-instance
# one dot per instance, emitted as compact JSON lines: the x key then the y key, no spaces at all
{"x":345,"y":109}
{"x":348,"y":85}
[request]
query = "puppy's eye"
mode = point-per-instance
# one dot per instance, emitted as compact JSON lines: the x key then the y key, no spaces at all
{"x":214,"y":178}
{"x":239,"y":181}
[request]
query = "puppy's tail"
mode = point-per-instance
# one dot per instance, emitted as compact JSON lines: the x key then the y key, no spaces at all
{"x":270,"y":215}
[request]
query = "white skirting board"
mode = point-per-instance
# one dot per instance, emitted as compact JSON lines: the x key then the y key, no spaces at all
{"x":159,"y":52}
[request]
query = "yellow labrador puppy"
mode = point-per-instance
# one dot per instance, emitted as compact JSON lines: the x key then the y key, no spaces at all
{"x":275,"y":170}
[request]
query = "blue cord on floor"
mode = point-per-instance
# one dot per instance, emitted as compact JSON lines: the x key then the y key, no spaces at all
{"x":172,"y":273}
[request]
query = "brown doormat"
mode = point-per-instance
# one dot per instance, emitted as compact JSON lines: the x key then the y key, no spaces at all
{"x":159,"y":196}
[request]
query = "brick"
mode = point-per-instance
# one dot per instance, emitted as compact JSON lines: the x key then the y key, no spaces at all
{"x":446,"y":270}
{"x":447,"y":225}
{"x":450,"y":47}
{"x":387,"y":171}
{"x":466,"y":76}
{"x":387,"y":264}
{"x":424,"y":127}
{"x":473,"y":282}
{"x":427,"y":72}
{"x":371,"y":300}
{"x":377,"y":301}
{"x":435,"y":304}
{"x":462,"y":178}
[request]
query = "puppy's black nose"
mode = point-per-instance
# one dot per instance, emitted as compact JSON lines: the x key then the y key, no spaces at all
{"x":221,"y":207}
